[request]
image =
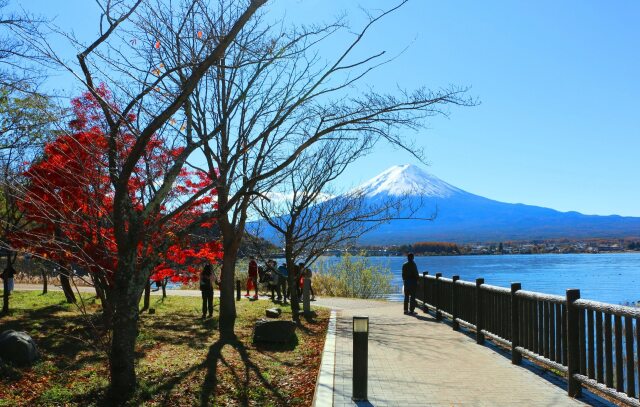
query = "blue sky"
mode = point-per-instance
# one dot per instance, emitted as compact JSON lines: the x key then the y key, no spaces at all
{"x":559,"y":120}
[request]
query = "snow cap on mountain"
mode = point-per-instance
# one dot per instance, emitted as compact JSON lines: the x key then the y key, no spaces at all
{"x":407,"y":179}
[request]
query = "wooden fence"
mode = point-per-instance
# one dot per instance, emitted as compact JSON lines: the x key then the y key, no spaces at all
{"x":591,"y":343}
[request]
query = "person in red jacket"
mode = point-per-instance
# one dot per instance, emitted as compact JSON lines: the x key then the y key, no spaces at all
{"x":253,"y":276}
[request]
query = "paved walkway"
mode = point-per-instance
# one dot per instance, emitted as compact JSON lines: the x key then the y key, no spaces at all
{"x":416,"y":361}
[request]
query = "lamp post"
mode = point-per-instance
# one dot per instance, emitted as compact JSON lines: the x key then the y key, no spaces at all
{"x":360,"y":357}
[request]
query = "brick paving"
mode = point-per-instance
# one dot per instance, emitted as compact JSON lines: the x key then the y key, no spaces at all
{"x":417,"y":361}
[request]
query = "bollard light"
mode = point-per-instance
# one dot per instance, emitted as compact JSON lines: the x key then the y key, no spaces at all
{"x":360,"y":357}
{"x":360,"y":324}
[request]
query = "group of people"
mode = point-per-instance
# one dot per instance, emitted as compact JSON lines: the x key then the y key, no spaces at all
{"x":276,"y":279}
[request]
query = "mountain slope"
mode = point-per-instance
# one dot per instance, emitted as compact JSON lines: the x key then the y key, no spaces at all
{"x":465,"y":217}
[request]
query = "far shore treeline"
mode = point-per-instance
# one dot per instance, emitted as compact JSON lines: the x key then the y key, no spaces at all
{"x":507,"y":247}
{"x":547,"y":246}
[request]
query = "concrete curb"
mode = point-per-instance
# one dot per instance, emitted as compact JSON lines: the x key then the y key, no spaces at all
{"x":323,"y":396}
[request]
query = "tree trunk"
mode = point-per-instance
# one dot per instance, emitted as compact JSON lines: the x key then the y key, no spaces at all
{"x":147,"y":296}
{"x":66,"y":286}
{"x":164,"y":287}
{"x":99,"y":292}
{"x":293,"y":278}
{"x":126,"y":295}
{"x":293,"y":283}
{"x":107,"y":309}
{"x":44,"y":280}
{"x":306,"y":305}
{"x":5,"y":296}
{"x":5,"y":286}
{"x":122,"y":354}
{"x":227,"y":299}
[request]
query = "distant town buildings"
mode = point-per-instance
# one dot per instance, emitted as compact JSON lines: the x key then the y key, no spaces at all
{"x":530,"y":247}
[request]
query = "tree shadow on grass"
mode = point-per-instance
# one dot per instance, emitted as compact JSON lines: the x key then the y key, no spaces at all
{"x":182,"y":329}
{"x":63,"y":335}
{"x":270,"y":350}
{"x":241,"y":378}
{"x":309,"y":320}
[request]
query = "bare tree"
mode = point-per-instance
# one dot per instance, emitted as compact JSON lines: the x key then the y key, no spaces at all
{"x":25,"y":120}
{"x":270,"y":98}
{"x":243,"y":99}
{"x":131,"y":57}
{"x":309,"y":218}
{"x":15,"y":75}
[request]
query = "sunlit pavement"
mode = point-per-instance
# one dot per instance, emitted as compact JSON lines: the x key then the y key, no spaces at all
{"x":416,"y":361}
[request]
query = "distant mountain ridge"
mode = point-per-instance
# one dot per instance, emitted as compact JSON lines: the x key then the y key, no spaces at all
{"x":464,"y":217}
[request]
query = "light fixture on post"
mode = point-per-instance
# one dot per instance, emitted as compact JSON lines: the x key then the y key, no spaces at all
{"x":360,"y":357}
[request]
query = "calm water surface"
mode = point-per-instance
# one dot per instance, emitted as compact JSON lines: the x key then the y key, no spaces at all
{"x":613,"y":278}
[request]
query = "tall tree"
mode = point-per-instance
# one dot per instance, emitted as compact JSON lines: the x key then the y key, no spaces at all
{"x":25,"y":117}
{"x":68,"y":200}
{"x":148,"y":91}
{"x":220,"y":83}
{"x":25,"y":121}
{"x":270,"y":98}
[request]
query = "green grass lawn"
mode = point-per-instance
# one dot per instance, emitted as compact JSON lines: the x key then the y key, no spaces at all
{"x":180,"y":360}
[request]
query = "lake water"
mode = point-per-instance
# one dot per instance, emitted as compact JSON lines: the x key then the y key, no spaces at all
{"x":612,"y":278}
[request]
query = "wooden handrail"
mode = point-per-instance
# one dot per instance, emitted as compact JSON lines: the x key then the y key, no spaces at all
{"x":594,"y":344}
{"x":619,"y":310}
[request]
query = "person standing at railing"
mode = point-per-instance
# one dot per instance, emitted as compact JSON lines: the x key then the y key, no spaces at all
{"x":410,"y":278}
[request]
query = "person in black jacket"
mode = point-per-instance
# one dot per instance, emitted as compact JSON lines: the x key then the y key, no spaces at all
{"x":410,"y":277}
{"x":207,"y":280}
{"x":7,"y":275}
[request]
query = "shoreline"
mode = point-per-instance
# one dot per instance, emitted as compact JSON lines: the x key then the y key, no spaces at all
{"x":360,"y":254}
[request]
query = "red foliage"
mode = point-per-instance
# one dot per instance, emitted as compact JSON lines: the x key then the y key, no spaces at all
{"x":69,"y":199}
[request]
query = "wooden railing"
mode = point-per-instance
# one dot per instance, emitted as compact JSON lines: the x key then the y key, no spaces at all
{"x":590,"y":343}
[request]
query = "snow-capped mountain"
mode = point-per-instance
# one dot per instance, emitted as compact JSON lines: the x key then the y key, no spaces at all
{"x":465,"y":217}
{"x":401,"y":180}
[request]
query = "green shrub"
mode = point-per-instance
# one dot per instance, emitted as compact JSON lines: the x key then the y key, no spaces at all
{"x":353,"y":277}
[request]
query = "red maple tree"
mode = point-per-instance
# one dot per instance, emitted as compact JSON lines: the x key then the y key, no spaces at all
{"x":69,"y":200}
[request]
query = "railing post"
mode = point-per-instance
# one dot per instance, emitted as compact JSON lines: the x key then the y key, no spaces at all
{"x":516,"y":357}
{"x":425,"y":309}
{"x":438,"y":297}
{"x":454,"y":314}
{"x":479,"y":324}
{"x":573,"y":343}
